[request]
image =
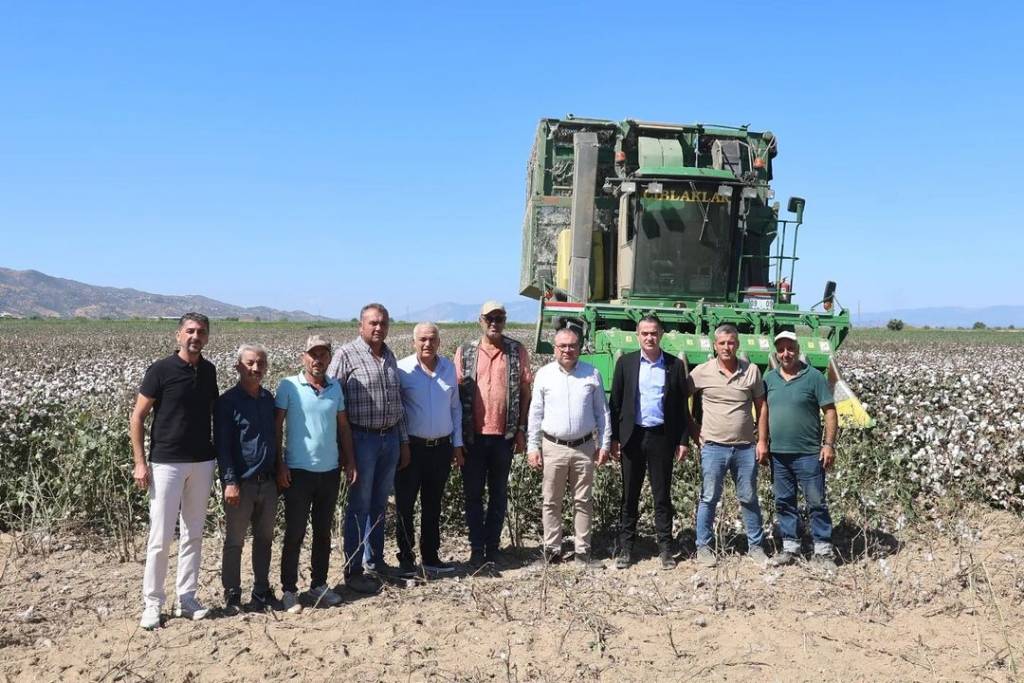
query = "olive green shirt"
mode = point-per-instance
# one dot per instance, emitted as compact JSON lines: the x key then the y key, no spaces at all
{"x":794,"y":409}
{"x":727,"y":401}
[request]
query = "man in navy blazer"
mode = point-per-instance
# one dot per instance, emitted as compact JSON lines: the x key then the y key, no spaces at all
{"x":650,"y":418}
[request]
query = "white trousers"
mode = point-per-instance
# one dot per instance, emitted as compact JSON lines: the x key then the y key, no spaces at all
{"x":176,"y":489}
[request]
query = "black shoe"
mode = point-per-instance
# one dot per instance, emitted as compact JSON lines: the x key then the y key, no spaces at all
{"x":438,"y":566}
{"x":623,"y":560}
{"x":585,"y":561}
{"x":407,"y":569}
{"x":233,"y":601}
{"x":361,"y":583}
{"x":547,"y":557}
{"x":493,"y":555}
{"x":265,"y":600}
{"x":666,"y":560}
{"x":380,"y":571}
{"x":477,"y":558}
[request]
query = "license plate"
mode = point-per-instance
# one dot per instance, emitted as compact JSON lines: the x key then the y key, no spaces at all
{"x":761,"y":304}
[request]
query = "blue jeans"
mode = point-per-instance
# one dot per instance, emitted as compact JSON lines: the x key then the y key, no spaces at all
{"x":376,"y":461}
{"x":803,"y":470}
{"x":740,"y":461}
{"x":488,"y":463}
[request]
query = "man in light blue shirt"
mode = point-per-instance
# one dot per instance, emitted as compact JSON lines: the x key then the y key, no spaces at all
{"x":650,"y":390}
{"x":310,"y":414}
{"x":650,"y":420}
{"x":433,"y":420}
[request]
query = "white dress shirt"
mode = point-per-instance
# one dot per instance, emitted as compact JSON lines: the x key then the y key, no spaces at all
{"x":568,"y":405}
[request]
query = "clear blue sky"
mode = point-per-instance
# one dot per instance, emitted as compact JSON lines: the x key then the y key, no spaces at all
{"x":308,"y":155}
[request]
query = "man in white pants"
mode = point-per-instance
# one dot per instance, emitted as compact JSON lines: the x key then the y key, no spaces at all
{"x":568,"y":436}
{"x":179,"y":390}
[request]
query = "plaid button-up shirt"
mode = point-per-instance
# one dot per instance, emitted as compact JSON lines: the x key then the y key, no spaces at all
{"x":373,"y":396}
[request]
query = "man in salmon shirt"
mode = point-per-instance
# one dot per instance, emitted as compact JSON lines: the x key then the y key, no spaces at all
{"x":494,"y":385}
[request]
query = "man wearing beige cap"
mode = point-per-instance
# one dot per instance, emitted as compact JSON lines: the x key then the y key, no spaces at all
{"x":319,"y":443}
{"x":494,"y":385}
{"x":797,"y":395}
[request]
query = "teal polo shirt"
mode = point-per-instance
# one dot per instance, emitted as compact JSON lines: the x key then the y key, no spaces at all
{"x":311,"y":423}
{"x":794,"y":410}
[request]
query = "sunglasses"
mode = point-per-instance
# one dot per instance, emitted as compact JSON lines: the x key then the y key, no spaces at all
{"x":494,"y":318}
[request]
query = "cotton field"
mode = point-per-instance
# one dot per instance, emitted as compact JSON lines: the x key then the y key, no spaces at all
{"x":948,"y":407}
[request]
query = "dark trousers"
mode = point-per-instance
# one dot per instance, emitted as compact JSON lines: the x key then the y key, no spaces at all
{"x":426,"y":476}
{"x":648,"y":452}
{"x":311,"y":498}
{"x":488,"y":463}
{"x":257,"y":507}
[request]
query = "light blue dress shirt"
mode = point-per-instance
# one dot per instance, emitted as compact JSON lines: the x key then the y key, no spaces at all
{"x":431,"y":402}
{"x":650,"y":409}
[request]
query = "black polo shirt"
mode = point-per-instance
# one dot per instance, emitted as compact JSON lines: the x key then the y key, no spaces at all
{"x":184,"y":395}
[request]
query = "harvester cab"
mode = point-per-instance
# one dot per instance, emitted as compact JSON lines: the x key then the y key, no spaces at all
{"x":629,"y":218}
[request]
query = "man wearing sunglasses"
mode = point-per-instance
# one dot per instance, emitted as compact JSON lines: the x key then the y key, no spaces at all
{"x":494,"y":385}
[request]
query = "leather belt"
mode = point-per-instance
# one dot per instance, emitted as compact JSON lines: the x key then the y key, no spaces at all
{"x":373,"y":430}
{"x":571,"y":443}
{"x":430,"y":443}
{"x":654,"y":429}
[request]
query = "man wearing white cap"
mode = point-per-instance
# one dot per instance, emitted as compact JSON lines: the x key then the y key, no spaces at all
{"x":319,"y":444}
{"x":797,"y":395}
{"x":494,"y":385}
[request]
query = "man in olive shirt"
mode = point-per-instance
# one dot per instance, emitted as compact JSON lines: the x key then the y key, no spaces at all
{"x":179,"y":390}
{"x":728,"y":387}
{"x":797,"y":395}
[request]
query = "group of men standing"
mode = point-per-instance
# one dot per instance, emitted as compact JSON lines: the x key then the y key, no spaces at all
{"x":389,"y":425}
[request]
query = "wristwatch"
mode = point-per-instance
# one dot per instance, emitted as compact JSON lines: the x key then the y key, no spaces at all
{"x":829,"y":444}
{"x":521,"y":428}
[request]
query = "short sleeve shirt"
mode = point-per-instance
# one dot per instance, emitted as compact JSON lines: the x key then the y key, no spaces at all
{"x":727,"y":400}
{"x":311,"y":423}
{"x":794,"y":410}
{"x":182,"y":412}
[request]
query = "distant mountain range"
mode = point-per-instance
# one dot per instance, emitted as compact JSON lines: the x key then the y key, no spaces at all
{"x":519,"y":310}
{"x":26,"y":293}
{"x":946,"y":316}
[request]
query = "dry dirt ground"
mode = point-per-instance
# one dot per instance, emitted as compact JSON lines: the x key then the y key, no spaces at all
{"x":944,"y":604}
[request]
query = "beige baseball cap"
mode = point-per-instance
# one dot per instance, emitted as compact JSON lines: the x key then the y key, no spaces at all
{"x":786,"y":335}
{"x":315,"y":340}
{"x":490,"y":306}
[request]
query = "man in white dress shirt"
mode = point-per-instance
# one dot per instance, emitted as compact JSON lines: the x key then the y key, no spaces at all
{"x":433,"y":419}
{"x":567,"y":436}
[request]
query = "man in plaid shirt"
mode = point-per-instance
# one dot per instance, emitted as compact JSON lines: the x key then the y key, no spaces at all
{"x":368,"y":372}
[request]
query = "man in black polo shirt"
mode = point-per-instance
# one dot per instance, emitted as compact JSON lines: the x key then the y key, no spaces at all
{"x":179,"y":390}
{"x":244,"y":434}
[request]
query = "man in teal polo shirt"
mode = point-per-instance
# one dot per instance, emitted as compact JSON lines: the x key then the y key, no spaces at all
{"x":797,"y":395}
{"x":310,"y":413}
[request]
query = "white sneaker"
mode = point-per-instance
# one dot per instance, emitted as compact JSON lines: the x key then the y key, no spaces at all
{"x":189,"y":607}
{"x":290,"y":602}
{"x":150,"y":617}
{"x":324,"y":596}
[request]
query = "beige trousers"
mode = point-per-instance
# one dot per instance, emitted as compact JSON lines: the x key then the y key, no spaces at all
{"x":573,"y":467}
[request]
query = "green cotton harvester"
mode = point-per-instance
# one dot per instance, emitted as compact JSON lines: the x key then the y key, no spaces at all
{"x":633,"y":217}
